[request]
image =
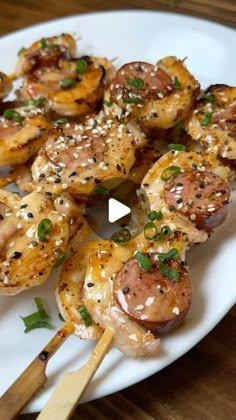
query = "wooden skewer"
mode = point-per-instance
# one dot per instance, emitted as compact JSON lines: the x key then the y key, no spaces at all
{"x":32,"y":379}
{"x":72,"y":386}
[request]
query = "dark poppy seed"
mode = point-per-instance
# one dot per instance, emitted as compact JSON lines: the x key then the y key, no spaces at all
{"x":72,"y":174}
{"x":34,"y":243}
{"x":125,"y":290}
{"x":42,"y":176}
{"x":194,"y":166}
{"x":202,"y":185}
{"x":16,"y":255}
{"x":90,"y":284}
{"x":179,"y":200}
{"x":171,"y":208}
{"x":179,"y":184}
{"x":118,"y":167}
{"x":23,"y":206}
{"x":30,"y":215}
{"x":198,"y":195}
{"x":61,"y":201}
{"x":57,"y":181}
{"x":1,"y":217}
{"x":48,"y":193}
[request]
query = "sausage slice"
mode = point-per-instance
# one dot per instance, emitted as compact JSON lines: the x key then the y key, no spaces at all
{"x":151,"y":298}
{"x":142,"y":80}
{"x":200,"y":195}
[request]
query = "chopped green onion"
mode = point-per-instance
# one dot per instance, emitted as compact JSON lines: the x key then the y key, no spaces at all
{"x":43,"y":43}
{"x":163,"y":234}
{"x":209,"y":97}
{"x":132,"y":100}
{"x":65,"y":83}
{"x":176,"y":82}
{"x":82,"y":66}
{"x":169,"y":272}
{"x":100,"y":190}
{"x":136,"y":82}
{"x":53,"y":46}
{"x":62,"y":120}
{"x":21,"y":51}
{"x":61,"y":259}
{"x":155,"y":215}
{"x":176,"y":146}
{"x":85,"y":315}
{"x":61,"y":317}
{"x":38,"y":102}
{"x":170,"y":172}
{"x":122,"y":237}
{"x":108,"y":103}
{"x":37,"y":319}
{"x":207,"y":119}
{"x":172,"y":253}
{"x":12,"y":114}
{"x":150,"y":230}
{"x":143,"y":261}
{"x":44,"y":227}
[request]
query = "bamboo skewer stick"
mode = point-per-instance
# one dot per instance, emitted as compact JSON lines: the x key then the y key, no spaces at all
{"x":32,"y":379}
{"x":72,"y":386}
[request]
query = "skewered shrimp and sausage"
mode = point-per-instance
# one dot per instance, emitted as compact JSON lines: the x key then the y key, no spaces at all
{"x":213,"y":122}
{"x":140,"y":287}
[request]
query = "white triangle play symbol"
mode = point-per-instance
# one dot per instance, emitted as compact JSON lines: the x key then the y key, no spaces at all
{"x":116,"y":210}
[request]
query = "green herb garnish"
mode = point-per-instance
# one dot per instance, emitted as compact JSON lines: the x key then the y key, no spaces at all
{"x":144,"y":261}
{"x":172,"y":253}
{"x":122,"y":237}
{"x":108,"y":103}
{"x":62,"y":120}
{"x":21,"y":51}
{"x":150,"y":230}
{"x":177,"y":146}
{"x":44,"y":228}
{"x":176,"y":82}
{"x":132,"y":100}
{"x":61,"y":259}
{"x":155,"y":215}
{"x":65,"y":83}
{"x":13,"y":115}
{"x":207,"y":119}
{"x":100,"y":190}
{"x":82,"y":66}
{"x":37,"y":319}
{"x":163,"y":234}
{"x":209,"y":97}
{"x":85,"y":316}
{"x":169,"y":272}
{"x":170,"y":172}
{"x":137,"y":82}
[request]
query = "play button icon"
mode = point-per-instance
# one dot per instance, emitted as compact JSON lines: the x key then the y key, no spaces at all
{"x":110,"y":209}
{"x":116,"y":210}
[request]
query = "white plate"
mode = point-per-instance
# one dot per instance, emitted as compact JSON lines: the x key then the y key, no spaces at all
{"x":147,"y":36}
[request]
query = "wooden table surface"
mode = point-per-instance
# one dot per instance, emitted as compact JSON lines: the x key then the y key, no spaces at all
{"x":201,"y":384}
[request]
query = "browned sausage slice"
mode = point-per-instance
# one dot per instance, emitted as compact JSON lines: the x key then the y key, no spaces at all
{"x":151,"y":298}
{"x":142,"y":80}
{"x":200,"y":195}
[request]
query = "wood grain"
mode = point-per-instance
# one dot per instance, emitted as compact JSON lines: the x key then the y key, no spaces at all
{"x":201,"y":384}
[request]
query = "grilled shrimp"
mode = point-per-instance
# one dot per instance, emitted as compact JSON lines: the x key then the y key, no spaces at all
{"x":45,"y":53}
{"x":71,"y":88}
{"x":158,"y":95}
{"x":92,"y":278}
{"x":5,"y":85}
{"x":19,"y":175}
{"x":213,"y":122}
{"x":76,"y":157}
{"x":191,"y":191}
{"x":33,"y":237}
{"x":23,"y":130}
